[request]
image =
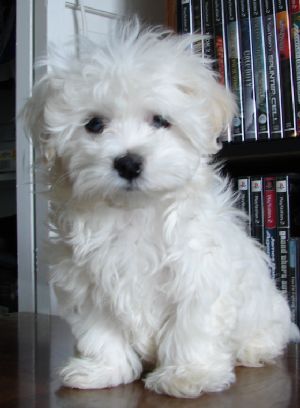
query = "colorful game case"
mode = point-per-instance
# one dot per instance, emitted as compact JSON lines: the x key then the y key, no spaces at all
{"x":249,"y":103}
{"x":295,"y":38}
{"x":259,"y":69}
{"x":284,"y":51}
{"x":272,"y":70}
{"x":234,"y":68}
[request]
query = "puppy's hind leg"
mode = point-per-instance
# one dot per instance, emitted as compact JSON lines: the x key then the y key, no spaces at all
{"x":105,"y":357}
{"x":191,"y":360}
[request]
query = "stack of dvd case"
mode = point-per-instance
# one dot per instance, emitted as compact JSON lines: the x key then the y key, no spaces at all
{"x":255,"y":46}
{"x":273,"y":207}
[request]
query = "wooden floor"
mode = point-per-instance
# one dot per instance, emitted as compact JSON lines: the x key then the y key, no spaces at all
{"x":32,"y":348}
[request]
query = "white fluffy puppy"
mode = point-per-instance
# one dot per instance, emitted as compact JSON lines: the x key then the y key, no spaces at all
{"x":151,"y":260}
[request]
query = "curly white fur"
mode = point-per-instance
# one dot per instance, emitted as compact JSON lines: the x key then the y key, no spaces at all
{"x":159,"y":269}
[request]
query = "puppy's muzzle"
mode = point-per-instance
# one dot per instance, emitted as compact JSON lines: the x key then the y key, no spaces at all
{"x":129,"y":166}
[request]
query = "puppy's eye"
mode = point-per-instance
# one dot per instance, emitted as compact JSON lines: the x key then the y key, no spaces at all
{"x":159,"y":121}
{"x":95,"y":125}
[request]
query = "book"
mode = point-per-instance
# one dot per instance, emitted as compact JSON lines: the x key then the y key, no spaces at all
{"x":284,"y":52}
{"x":274,"y":94}
{"x":259,"y":69}
{"x":257,"y":208}
{"x":234,"y":68}
{"x":295,"y":38}
{"x":248,"y":94}
{"x":270,"y":227}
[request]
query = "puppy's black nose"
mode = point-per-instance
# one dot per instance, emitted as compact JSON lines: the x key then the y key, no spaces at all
{"x":129,"y":166}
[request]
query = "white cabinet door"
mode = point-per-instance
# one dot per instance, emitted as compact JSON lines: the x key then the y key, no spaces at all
{"x":54,"y":22}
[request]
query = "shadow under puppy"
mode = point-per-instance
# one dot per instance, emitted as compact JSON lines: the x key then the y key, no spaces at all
{"x":151,"y":261}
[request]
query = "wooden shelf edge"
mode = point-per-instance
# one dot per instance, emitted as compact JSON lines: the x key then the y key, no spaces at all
{"x":261,"y":149}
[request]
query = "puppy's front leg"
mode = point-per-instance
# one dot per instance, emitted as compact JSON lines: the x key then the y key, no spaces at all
{"x":105,"y":357}
{"x":191,"y":359}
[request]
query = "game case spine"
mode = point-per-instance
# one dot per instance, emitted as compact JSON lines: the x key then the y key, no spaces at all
{"x":249,"y":103}
{"x":259,"y":69}
{"x":270,"y":230}
{"x":284,"y":52}
{"x":295,"y":39}
{"x":243,"y":187}
{"x":294,"y":279}
{"x":208,"y":29}
{"x":197,"y":10}
{"x":221,"y":65}
{"x":234,"y":66}
{"x":191,"y":18}
{"x":186,"y":17}
{"x":272,"y":70}
{"x":283,"y":231}
{"x":220,"y":39}
{"x":257,"y":209}
{"x":179,"y":17}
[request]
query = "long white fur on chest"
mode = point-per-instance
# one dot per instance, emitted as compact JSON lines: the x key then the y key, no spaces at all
{"x":115,"y":256}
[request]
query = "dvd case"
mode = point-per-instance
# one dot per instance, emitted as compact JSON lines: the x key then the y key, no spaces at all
{"x":257,"y":208}
{"x":220,"y":40}
{"x":244,"y":203}
{"x":234,"y":66}
{"x":284,"y":51}
{"x":270,"y":230}
{"x":259,"y":69}
{"x":288,"y":221}
{"x":249,"y":102}
{"x":190,"y":16}
{"x":208,"y":28}
{"x":295,"y":38}
{"x":294,"y":279}
{"x":272,"y":71}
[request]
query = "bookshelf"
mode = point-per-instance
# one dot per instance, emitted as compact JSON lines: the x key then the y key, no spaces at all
{"x":263,"y":154}
{"x":261,"y":157}
{"x":251,"y":157}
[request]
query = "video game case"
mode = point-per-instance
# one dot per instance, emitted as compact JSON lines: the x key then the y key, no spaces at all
{"x":190,"y":13}
{"x":234,"y":67}
{"x":179,"y":16}
{"x":249,"y":103}
{"x":295,"y":39}
{"x":270,"y":230}
{"x":208,"y":28}
{"x":294,"y":279}
{"x":288,"y":221}
{"x":257,"y":208}
{"x":272,"y":70}
{"x":259,"y":69}
{"x":285,"y":66}
{"x":244,"y":189}
{"x":220,"y":40}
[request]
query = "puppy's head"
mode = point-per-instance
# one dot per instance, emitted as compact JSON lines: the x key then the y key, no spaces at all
{"x":137,"y":113}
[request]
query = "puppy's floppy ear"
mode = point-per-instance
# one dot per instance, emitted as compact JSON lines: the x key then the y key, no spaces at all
{"x":33,"y":114}
{"x":216,"y":106}
{"x":222,"y":107}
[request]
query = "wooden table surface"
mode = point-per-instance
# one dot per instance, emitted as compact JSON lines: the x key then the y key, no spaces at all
{"x":32,"y":348}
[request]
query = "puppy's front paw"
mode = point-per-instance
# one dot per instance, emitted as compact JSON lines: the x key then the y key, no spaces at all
{"x":188,"y":381}
{"x":88,"y":373}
